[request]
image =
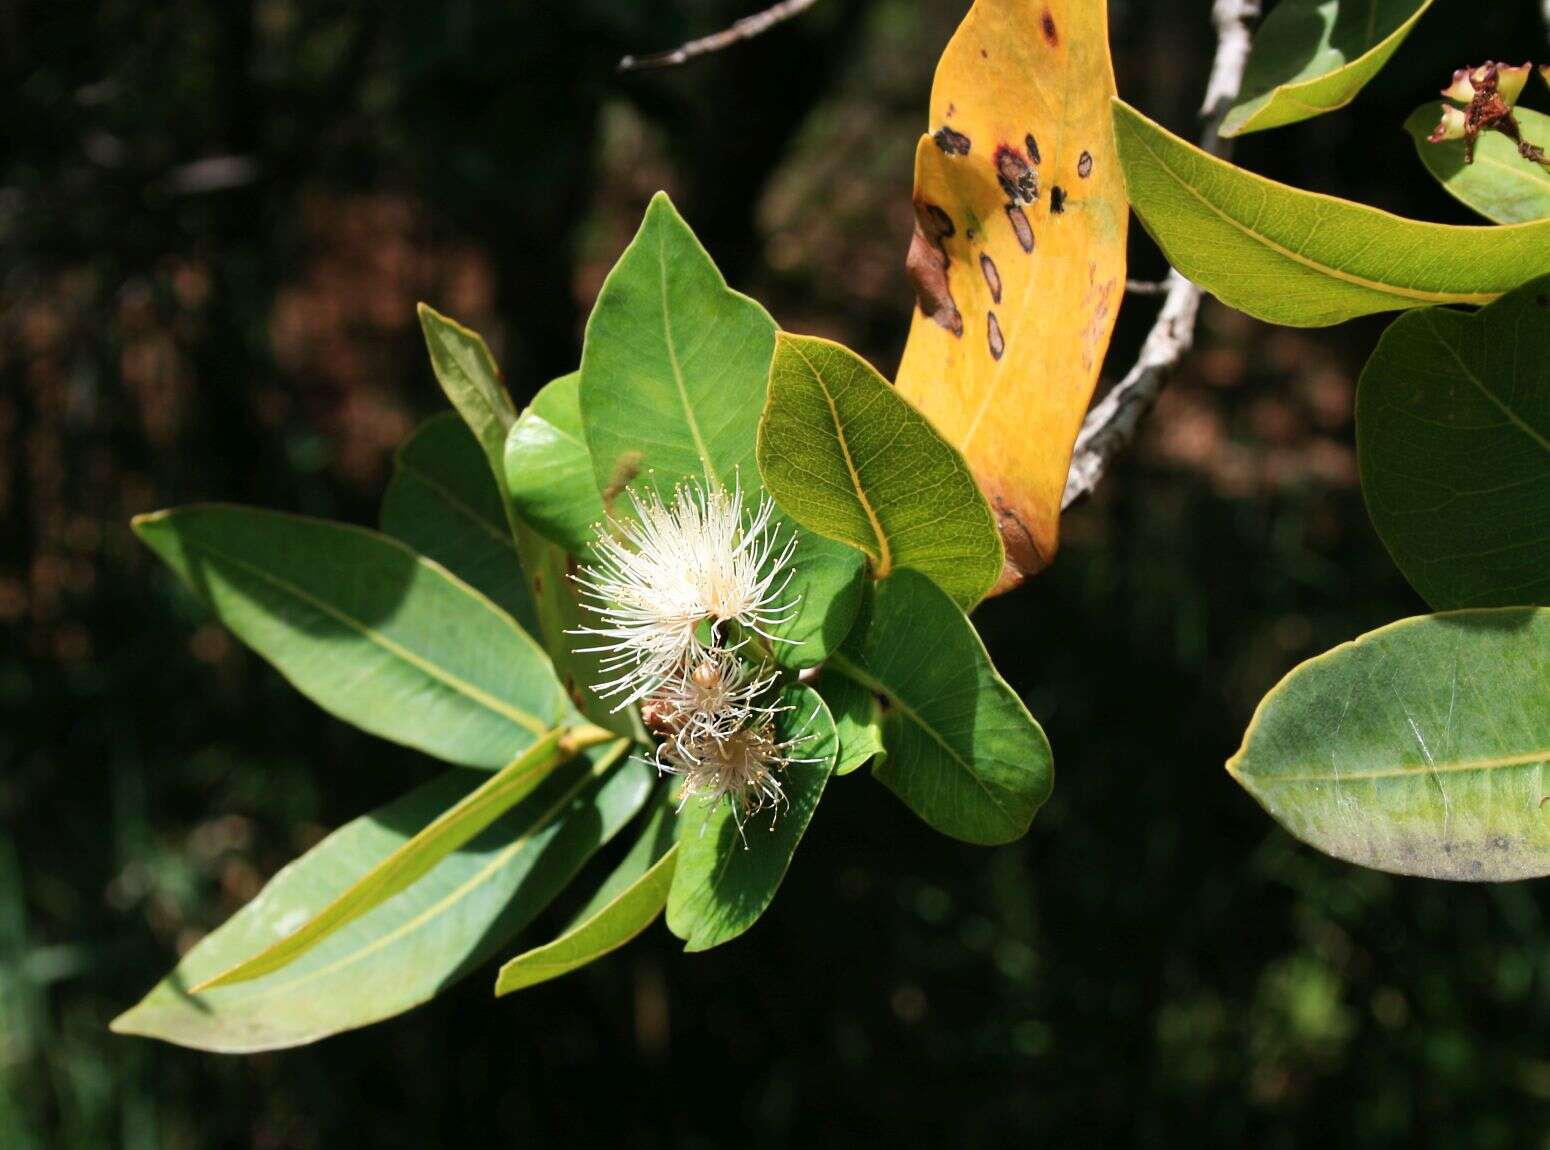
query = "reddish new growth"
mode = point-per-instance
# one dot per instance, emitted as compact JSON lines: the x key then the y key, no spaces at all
{"x":1488,"y":94}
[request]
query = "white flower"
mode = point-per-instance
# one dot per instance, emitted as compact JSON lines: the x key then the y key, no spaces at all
{"x":744,"y":768}
{"x":717,"y":697}
{"x":671,"y":571}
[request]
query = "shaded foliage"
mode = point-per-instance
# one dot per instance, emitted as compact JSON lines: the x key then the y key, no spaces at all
{"x":1155,"y":953}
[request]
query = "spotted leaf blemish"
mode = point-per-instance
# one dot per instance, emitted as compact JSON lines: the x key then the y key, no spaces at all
{"x":1084,"y":165}
{"x":1050,"y":32}
{"x":951,"y":142}
{"x":1033,"y":149}
{"x":1057,"y":200}
{"x":927,"y":265}
{"x":993,"y":334}
{"x":992,"y":276}
{"x":1017,"y":179}
{"x":1021,"y":226}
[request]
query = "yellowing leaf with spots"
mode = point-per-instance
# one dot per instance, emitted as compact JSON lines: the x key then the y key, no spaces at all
{"x":1018,"y":256}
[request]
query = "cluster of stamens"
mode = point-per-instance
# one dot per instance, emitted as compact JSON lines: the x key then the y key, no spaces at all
{"x":688,"y":595}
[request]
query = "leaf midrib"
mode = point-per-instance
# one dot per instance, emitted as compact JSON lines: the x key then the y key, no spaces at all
{"x":475,"y":880}
{"x":884,"y":558}
{"x":1490,"y":397}
{"x":672,"y":359}
{"x":457,"y":504}
{"x":1375,"y":286}
{"x":1419,"y":770}
{"x":372,"y":635}
{"x":872,"y":683}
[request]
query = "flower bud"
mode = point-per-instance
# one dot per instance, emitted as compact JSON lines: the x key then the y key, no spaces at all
{"x":1453,"y":126}
{"x":1461,"y":89}
{"x":1510,"y":82}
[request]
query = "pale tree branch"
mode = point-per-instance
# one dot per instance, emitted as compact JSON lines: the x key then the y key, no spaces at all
{"x":1111,"y":426}
{"x":1547,"y":15}
{"x":745,"y":29}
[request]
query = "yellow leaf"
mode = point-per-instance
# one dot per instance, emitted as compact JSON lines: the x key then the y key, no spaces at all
{"x":1018,"y":256}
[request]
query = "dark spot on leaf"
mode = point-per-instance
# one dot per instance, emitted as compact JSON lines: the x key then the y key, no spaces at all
{"x":1021,"y":226}
{"x":626,"y":468}
{"x":1050,"y":33}
{"x":927,"y":264}
{"x":538,"y":585}
{"x":1033,"y":149}
{"x":1084,"y":165}
{"x":984,"y":55}
{"x":992,"y":276}
{"x":1018,"y":180}
{"x":951,"y":142}
{"x":941,"y":224}
{"x":1057,"y":200}
{"x":1023,"y":553}
{"x":968,"y":234}
{"x":993,"y":331}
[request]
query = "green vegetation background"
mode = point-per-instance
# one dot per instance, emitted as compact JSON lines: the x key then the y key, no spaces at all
{"x":215,"y":218}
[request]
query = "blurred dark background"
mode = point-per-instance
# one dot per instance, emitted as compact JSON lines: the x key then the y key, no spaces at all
{"x":215,"y":219}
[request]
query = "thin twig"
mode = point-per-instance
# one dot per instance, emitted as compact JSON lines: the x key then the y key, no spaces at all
{"x":745,"y":29}
{"x":1146,"y":287}
{"x":1110,"y":427}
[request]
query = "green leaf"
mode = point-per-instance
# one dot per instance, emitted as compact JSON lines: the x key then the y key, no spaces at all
{"x":847,"y":457}
{"x":367,"y":629}
{"x":673,"y":379}
{"x":1501,"y":185}
{"x":443,"y":503}
{"x":858,"y":719}
{"x":409,"y":948}
{"x":467,"y":373}
{"x":549,"y":470}
{"x":963,"y":752}
{"x":412,"y":861}
{"x":727,"y":875}
{"x":1314,"y":56}
{"x":627,"y":902}
{"x":1453,"y":439}
{"x":1293,"y":257}
{"x":1422,"y":748}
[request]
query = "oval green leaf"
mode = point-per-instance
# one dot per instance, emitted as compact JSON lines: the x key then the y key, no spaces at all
{"x":408,"y":948}
{"x":626,"y":904}
{"x":1422,"y":748}
{"x":443,"y":502}
{"x":1302,"y":259}
{"x":674,"y":373}
{"x":727,"y":875}
{"x":371,"y":632}
{"x":963,"y":752}
{"x":468,"y":374}
{"x":848,"y":458}
{"x":549,"y":472}
{"x":1453,"y":439}
{"x":1501,"y":185}
{"x":1314,"y":56}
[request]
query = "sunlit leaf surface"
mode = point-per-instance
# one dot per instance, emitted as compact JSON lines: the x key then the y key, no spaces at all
{"x":1018,"y":257}
{"x":1422,"y":748}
